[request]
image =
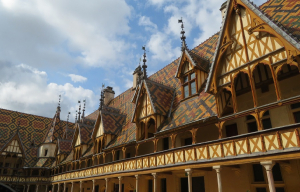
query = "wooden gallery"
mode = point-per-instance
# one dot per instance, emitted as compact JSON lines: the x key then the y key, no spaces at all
{"x":223,"y":117}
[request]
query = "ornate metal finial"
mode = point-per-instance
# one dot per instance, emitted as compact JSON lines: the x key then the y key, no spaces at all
{"x":76,"y":116}
{"x":183,"y":43}
{"x":144,"y":65}
{"x":79,"y":111}
{"x":68,"y":119}
{"x":58,"y":105}
{"x":83,"y":110}
{"x":102,"y":97}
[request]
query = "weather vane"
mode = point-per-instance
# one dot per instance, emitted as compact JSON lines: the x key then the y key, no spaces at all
{"x":144,"y":61}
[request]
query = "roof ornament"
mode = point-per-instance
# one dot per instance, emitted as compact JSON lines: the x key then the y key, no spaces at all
{"x":183,"y":37}
{"x":76,"y":116}
{"x":79,"y":111}
{"x":144,"y":65}
{"x":102,"y":97}
{"x":68,"y":119}
{"x":83,"y":110}
{"x":58,"y":105}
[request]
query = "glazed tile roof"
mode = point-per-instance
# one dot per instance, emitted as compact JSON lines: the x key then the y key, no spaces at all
{"x":85,"y":133}
{"x":64,"y":146}
{"x":44,"y":162}
{"x":287,"y":12}
{"x":69,"y":133}
{"x":112,"y":122}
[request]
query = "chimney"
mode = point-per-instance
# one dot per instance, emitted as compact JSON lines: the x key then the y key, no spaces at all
{"x":109,"y":94}
{"x":136,"y":76}
{"x":223,"y":10}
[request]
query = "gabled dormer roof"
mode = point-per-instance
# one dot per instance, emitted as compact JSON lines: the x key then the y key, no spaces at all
{"x":111,"y":120}
{"x":14,"y":145}
{"x":266,"y":23}
{"x":54,"y":130}
{"x":84,"y":133}
{"x":161,"y":97}
{"x":194,"y":59}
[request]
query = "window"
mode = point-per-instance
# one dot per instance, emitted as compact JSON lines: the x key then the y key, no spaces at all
{"x":231,"y":130}
{"x":163,"y":185}
{"x":258,"y":173}
{"x":188,"y":81}
{"x":166,"y":143}
{"x":118,"y":155}
{"x":251,"y":124}
{"x":46,"y":152}
{"x":296,"y":112}
{"x":127,"y":155}
{"x":266,"y":121}
{"x":188,"y":141}
{"x":150,"y":185}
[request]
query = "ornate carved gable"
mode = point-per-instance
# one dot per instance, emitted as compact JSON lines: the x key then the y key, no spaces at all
{"x":247,"y":38}
{"x":13,"y":146}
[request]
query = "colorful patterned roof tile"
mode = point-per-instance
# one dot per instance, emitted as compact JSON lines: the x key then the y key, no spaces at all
{"x":287,"y":12}
{"x":44,"y":162}
{"x":64,"y":146}
{"x":54,"y":129}
{"x":112,"y":122}
{"x":188,"y":111}
{"x":85,"y":133}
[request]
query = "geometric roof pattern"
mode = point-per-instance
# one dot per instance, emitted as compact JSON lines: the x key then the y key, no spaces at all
{"x":64,"y":146}
{"x":286,"y":12}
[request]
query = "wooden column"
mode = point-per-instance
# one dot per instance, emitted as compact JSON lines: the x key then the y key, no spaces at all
{"x":46,"y":190}
{"x":190,"y":184}
{"x":218,"y":170}
{"x":65,"y":186}
{"x":268,"y":165}
{"x":37,"y":188}
{"x":136,"y":183}
{"x":28,"y":186}
{"x":93,"y":190}
{"x":154,"y":182}
{"x":120,"y":183}
{"x":106,"y":184}
{"x":72,"y":186}
{"x":53,"y":187}
{"x":252,"y":84}
{"x":80,"y":186}
{"x":24,"y":188}
{"x":58,"y":187}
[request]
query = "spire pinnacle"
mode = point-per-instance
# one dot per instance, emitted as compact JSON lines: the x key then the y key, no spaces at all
{"x":79,"y":111}
{"x":83,"y":110}
{"x":144,"y":65}
{"x":58,"y":105}
{"x":102,"y":97}
{"x":183,"y":37}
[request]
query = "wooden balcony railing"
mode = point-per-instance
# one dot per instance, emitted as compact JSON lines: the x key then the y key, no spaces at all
{"x":271,"y":141}
{"x":24,"y":179}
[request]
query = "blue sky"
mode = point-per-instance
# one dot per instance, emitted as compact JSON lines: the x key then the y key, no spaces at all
{"x":70,"y":47}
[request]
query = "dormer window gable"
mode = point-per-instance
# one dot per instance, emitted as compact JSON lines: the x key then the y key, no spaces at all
{"x":14,"y":146}
{"x":152,"y":106}
{"x":192,"y":72}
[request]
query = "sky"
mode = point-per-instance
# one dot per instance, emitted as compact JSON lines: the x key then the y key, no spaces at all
{"x":71,"y":47}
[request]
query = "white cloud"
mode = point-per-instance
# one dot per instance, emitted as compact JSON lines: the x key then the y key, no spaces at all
{"x":59,"y":32}
{"x":145,"y":21}
{"x":77,"y":78}
{"x":24,"y":88}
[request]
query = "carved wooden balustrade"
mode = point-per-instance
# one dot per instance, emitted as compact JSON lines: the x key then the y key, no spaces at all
{"x":24,"y":179}
{"x":271,"y":141}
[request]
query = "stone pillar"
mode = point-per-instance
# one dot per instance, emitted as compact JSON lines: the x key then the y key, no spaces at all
{"x":65,"y":186}
{"x":93,"y":190}
{"x":120,"y":184}
{"x":136,"y":183}
{"x":46,"y":190}
{"x":58,"y":187}
{"x":80,"y":186}
{"x":189,"y":174}
{"x":28,"y":186}
{"x":37,"y":188}
{"x":72,"y":187}
{"x":24,"y":188}
{"x":218,"y":170}
{"x":53,"y":187}
{"x":268,"y":165}
{"x":106,"y":184}
{"x":154,"y":182}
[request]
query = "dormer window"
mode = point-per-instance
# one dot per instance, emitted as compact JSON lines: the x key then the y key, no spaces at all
{"x":189,"y":81}
{"x":46,"y":152}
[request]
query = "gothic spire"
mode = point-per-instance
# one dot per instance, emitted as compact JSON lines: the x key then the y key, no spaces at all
{"x":144,"y":65}
{"x":83,"y":110}
{"x":183,"y":43}
{"x":101,"y":97}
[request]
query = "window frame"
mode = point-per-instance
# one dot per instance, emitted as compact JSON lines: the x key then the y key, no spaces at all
{"x":189,"y":80}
